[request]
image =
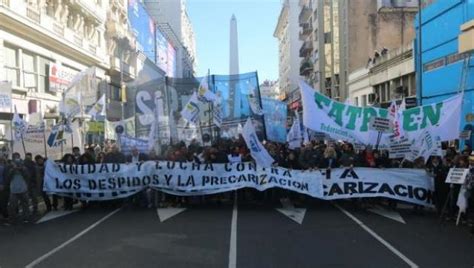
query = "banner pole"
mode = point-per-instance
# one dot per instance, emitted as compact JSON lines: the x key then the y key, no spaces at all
{"x":23,"y":144}
{"x":44,"y":141}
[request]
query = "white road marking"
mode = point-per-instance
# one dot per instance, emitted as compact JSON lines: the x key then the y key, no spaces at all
{"x":166,"y":213}
{"x":55,"y":214}
{"x":390,"y":214}
{"x":376,"y":236}
{"x":233,"y":236}
{"x":289,"y":210}
{"x":74,"y":238}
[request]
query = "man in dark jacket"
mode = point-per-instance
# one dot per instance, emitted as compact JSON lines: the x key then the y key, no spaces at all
{"x":4,"y":189}
{"x":40,"y":179}
{"x":33,"y":187}
{"x":18,"y":183}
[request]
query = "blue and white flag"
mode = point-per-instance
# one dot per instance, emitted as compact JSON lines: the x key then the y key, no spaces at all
{"x":19,"y":125}
{"x":294,"y":135}
{"x":191,"y":110}
{"x":258,"y":152}
{"x":204,"y":94}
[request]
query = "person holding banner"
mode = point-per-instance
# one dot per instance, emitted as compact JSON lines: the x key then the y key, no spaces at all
{"x":39,"y":172}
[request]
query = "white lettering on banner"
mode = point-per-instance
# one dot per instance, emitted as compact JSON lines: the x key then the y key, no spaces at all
{"x":109,"y":181}
{"x":457,"y":175}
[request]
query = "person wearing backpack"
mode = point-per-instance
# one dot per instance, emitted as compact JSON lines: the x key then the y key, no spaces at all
{"x":18,"y":184}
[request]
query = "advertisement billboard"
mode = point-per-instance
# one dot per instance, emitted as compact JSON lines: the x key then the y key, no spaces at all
{"x":143,"y":27}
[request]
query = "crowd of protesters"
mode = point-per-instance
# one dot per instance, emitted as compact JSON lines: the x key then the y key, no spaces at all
{"x":21,"y":180}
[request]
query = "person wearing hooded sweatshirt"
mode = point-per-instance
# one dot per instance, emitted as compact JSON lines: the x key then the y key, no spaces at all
{"x":17,"y":179}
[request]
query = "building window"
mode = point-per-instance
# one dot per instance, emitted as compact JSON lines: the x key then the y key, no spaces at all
{"x":328,"y":38}
{"x":356,"y":101}
{"x":29,"y":70}
{"x":114,"y":93}
{"x":12,"y":69}
{"x":43,"y":78}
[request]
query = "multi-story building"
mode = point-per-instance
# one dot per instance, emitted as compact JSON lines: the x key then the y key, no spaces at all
{"x":347,"y":35}
{"x":172,"y":19}
{"x":322,"y":64}
{"x":287,"y":33}
{"x":392,"y":77}
{"x":269,"y":89}
{"x":39,"y":39}
{"x":446,"y":66}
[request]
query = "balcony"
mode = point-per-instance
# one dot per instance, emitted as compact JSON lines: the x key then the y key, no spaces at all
{"x":128,"y":70}
{"x":306,"y":48}
{"x":33,"y":14}
{"x":306,"y":67}
{"x":90,"y":8}
{"x":5,"y":3}
{"x":306,"y":29}
{"x":304,"y":14}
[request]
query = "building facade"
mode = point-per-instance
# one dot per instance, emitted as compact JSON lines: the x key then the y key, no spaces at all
{"x":391,"y":78}
{"x":446,"y":66}
{"x":320,"y":32}
{"x":289,"y":44}
{"x":172,"y":19}
{"x":41,"y":38}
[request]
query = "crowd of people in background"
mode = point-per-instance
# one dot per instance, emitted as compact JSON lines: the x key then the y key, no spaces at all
{"x":21,"y":180}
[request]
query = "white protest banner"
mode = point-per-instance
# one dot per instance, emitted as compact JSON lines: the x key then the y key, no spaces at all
{"x":257,"y":151}
{"x":399,"y":148}
{"x":465,"y":135}
{"x":127,"y":143}
{"x":34,"y":134}
{"x":457,"y":175}
{"x":109,"y":181}
{"x":5,"y":97}
{"x":380,"y":124}
{"x":191,"y":110}
{"x":351,"y":123}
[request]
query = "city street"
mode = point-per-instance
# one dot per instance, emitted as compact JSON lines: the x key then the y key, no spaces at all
{"x":330,"y":235}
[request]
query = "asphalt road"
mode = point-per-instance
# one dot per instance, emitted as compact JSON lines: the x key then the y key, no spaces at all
{"x":331,"y":235}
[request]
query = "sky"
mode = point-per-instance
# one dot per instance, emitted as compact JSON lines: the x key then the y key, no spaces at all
{"x":256,"y":22}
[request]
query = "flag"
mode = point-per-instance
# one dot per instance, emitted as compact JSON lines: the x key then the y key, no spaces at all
{"x":84,"y":84}
{"x":204,"y":94}
{"x":254,"y":105}
{"x":257,"y":151}
{"x":152,"y":135}
{"x":217,"y":116}
{"x":463,"y":196}
{"x":305,"y":136}
{"x":191,"y":110}
{"x":98,"y":108}
{"x":19,"y":125}
{"x":56,"y":138}
{"x":70,"y":106}
{"x":425,"y":145}
{"x":294,"y":135}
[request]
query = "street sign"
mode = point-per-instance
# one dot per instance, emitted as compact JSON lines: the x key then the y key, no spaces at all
{"x":380,"y":124}
{"x":457,"y":175}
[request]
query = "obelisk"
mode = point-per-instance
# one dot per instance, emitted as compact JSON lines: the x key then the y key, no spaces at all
{"x":234,"y":91}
